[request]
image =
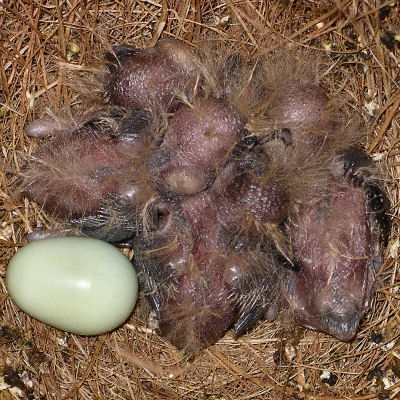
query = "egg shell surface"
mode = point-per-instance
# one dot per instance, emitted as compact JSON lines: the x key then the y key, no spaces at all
{"x":79,"y":285}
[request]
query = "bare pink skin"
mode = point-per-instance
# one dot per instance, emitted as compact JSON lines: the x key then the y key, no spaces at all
{"x":200,"y":312}
{"x":244,"y":194}
{"x":336,"y":250}
{"x":337,"y":240}
{"x":181,"y":275}
{"x":72,"y":173}
{"x":302,"y":110}
{"x":197,"y":140}
{"x":199,"y":270}
{"x":152,"y":77}
{"x":224,"y":276}
{"x":43,"y":127}
{"x":199,"y":283}
{"x":94,"y":175}
{"x":81,"y":166}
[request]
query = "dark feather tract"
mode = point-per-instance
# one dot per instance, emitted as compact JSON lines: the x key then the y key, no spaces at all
{"x":239,"y":185}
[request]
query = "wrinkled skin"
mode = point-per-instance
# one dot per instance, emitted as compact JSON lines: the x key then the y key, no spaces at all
{"x":154,"y":77}
{"x":195,"y":142}
{"x":199,"y":280}
{"x":220,"y":238}
{"x":338,"y":236}
{"x":303,"y":109}
{"x":338,"y":255}
{"x":93,"y":175}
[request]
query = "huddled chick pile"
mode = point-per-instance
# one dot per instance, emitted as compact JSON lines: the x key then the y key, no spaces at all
{"x":240,"y":188}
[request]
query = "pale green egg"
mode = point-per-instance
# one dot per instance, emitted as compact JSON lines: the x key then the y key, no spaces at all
{"x":79,"y":285}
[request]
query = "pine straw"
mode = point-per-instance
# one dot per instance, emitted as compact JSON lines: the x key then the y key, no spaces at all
{"x":275,"y":360}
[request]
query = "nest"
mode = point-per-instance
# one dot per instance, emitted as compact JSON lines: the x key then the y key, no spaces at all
{"x":359,"y":40}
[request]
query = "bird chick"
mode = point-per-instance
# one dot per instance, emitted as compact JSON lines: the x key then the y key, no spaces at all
{"x":338,"y":220}
{"x":93,"y":175}
{"x":198,"y":279}
{"x":339,"y":227}
{"x":337,"y":242}
{"x":181,"y":271}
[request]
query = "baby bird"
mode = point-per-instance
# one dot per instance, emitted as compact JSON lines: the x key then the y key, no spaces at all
{"x":339,"y":227}
{"x":337,"y":242}
{"x":91,"y":173}
{"x":200,"y":279}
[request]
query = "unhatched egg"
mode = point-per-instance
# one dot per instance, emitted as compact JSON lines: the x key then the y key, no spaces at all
{"x":80,"y":285}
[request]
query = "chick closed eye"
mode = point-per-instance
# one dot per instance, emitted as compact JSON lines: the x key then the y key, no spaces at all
{"x":339,"y":249}
{"x":152,"y":77}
